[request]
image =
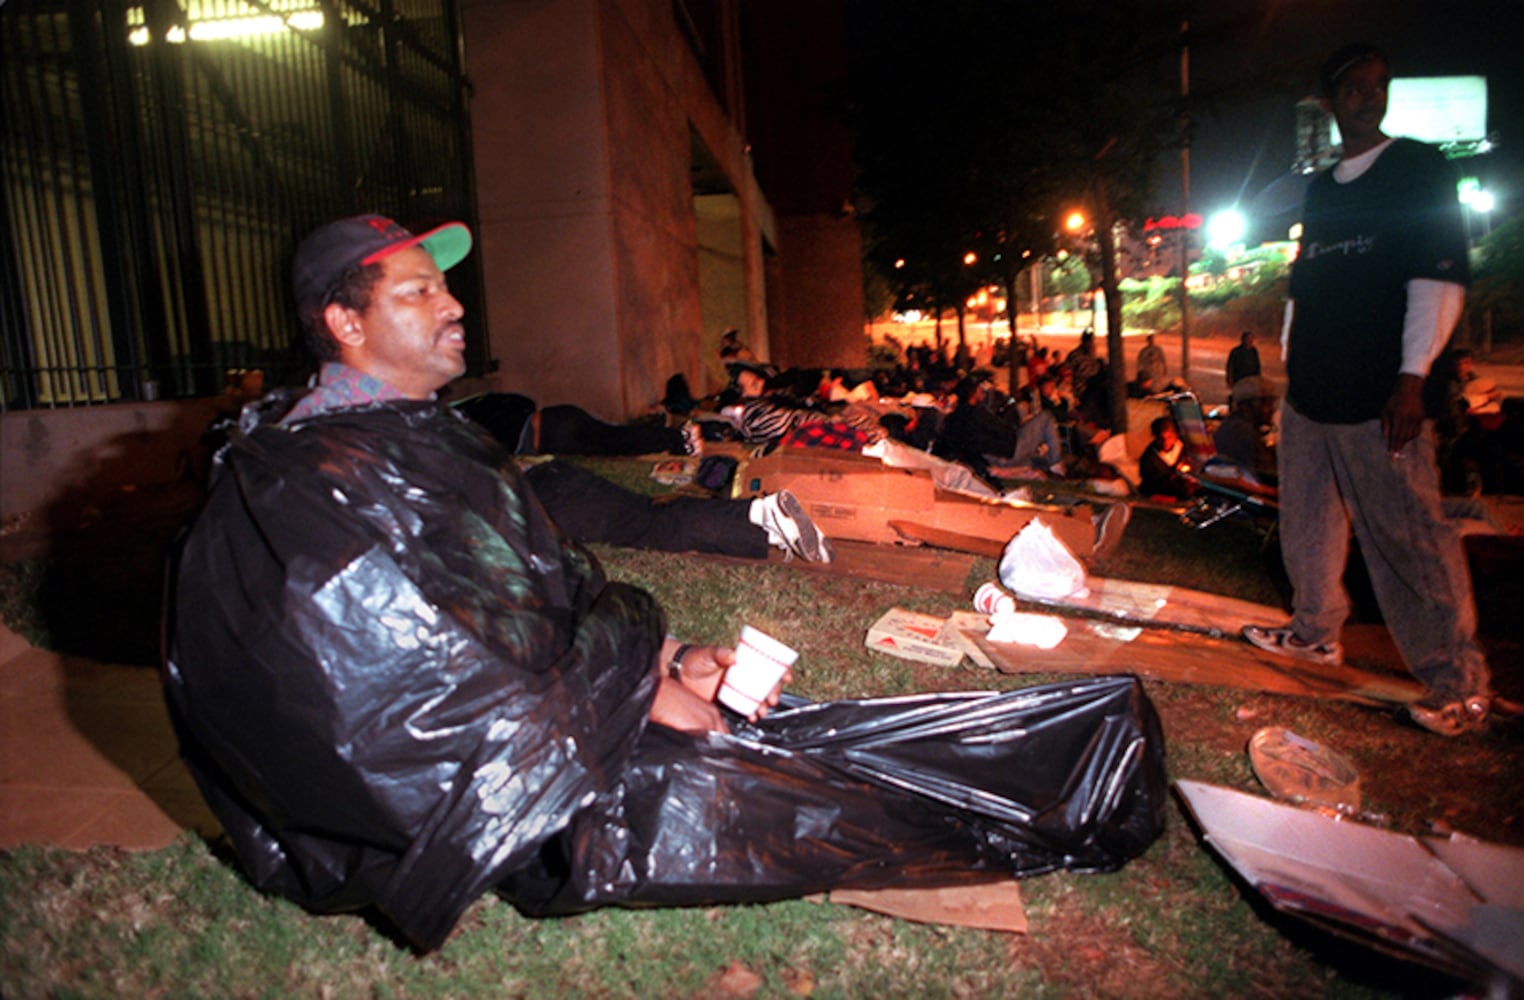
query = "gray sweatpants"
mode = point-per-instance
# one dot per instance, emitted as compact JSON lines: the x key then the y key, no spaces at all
{"x":1334,"y":476}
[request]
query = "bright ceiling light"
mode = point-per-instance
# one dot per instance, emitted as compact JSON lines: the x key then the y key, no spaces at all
{"x":223,"y":28}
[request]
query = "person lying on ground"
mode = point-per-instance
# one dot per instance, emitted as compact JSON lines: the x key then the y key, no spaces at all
{"x":767,"y":417}
{"x":564,"y":429}
{"x":590,"y":508}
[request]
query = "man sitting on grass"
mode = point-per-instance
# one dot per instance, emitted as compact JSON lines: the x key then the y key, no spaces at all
{"x":399,"y":686}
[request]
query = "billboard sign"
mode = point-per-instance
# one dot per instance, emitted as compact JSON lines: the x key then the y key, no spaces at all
{"x":1444,"y":110}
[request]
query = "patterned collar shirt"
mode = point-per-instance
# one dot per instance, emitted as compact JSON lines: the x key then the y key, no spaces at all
{"x":339,"y":387}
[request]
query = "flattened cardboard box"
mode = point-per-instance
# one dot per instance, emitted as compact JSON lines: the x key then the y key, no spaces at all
{"x":853,"y":496}
{"x":1454,"y":903}
{"x":912,"y":635}
{"x":959,"y":627}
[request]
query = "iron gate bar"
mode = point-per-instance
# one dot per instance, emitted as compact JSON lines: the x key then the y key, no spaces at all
{"x":152,"y":191}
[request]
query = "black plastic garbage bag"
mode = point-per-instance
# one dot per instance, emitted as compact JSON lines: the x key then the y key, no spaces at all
{"x":399,"y":687}
{"x":933,"y":789}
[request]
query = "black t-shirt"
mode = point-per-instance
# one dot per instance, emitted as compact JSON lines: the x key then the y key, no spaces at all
{"x":1361,"y":243}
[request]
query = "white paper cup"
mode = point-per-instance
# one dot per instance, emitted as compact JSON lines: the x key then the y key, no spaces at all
{"x":761,"y":662}
{"x":992,"y":599}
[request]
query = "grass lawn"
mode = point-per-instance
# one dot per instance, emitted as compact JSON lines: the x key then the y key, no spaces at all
{"x":183,"y":921}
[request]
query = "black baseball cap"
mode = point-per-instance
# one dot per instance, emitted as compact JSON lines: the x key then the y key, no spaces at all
{"x":332,"y":249}
{"x":1344,"y":60}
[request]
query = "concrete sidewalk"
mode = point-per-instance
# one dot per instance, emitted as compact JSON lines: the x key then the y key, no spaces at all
{"x":87,"y":755}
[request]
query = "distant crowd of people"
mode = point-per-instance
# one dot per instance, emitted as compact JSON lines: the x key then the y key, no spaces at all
{"x":1051,"y":425}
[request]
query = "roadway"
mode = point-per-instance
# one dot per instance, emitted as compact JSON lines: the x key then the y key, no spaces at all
{"x":1209,"y":354}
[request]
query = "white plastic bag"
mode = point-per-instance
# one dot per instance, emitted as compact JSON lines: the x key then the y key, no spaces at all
{"x":1024,"y":629}
{"x":1036,"y":564}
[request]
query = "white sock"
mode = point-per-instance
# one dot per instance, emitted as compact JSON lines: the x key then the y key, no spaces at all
{"x":755,"y":513}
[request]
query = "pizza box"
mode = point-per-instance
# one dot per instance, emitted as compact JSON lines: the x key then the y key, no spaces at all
{"x":912,"y":635}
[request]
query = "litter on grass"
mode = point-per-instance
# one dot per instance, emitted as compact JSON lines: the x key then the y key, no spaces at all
{"x":1303,"y":771}
{"x":1456,"y":904}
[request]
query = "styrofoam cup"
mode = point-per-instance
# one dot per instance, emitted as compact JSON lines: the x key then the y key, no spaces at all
{"x":992,"y":599}
{"x":761,"y":662}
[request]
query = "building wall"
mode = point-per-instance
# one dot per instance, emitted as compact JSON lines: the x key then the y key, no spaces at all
{"x":796,"y":114}
{"x":584,"y":120}
{"x":74,"y":457}
{"x":722,"y":278}
{"x":819,"y":320}
{"x":544,"y":204}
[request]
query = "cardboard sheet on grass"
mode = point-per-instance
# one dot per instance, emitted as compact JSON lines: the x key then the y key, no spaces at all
{"x":993,"y":906}
{"x":930,"y":568}
{"x":1158,"y":632}
{"x":857,"y":497}
{"x":1172,"y":633}
{"x":1163,"y":654}
{"x":1453,"y":903}
{"x":1162,"y":605}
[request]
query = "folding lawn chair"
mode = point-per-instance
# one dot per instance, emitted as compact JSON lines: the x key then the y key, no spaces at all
{"x":1227,"y":489}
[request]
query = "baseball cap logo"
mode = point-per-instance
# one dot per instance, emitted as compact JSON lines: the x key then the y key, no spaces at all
{"x":386,"y":227}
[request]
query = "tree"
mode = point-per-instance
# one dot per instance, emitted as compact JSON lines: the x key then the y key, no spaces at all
{"x":966,"y":138}
{"x":1071,"y":277}
{"x":1498,"y":287}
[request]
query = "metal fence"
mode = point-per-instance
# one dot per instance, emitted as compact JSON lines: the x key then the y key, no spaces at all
{"x":159,"y":161}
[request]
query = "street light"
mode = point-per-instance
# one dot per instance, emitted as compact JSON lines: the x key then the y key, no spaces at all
{"x":1226,"y":228}
{"x":1075,"y":222}
{"x":1478,"y":200}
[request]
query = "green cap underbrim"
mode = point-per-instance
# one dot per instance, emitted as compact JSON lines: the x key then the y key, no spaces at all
{"x":448,"y":244}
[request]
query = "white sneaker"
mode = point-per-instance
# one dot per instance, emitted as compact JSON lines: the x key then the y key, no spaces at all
{"x":1284,"y":642}
{"x":1108,"y":530}
{"x":1452,"y":718}
{"x":782,"y":516}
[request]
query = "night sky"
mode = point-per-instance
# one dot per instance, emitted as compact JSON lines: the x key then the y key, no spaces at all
{"x":1242,"y":146}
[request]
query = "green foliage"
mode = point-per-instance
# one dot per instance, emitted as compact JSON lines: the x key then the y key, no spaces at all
{"x":1151,"y":303}
{"x":1250,"y":296}
{"x":1263,"y":273}
{"x":1259,"y":313}
{"x":1069,"y":277}
{"x":1499,"y":276}
{"x":1214,"y":261}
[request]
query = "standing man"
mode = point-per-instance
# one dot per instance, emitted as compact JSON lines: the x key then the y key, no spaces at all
{"x":1243,"y":360}
{"x":1152,"y":364}
{"x":1377,"y":287}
